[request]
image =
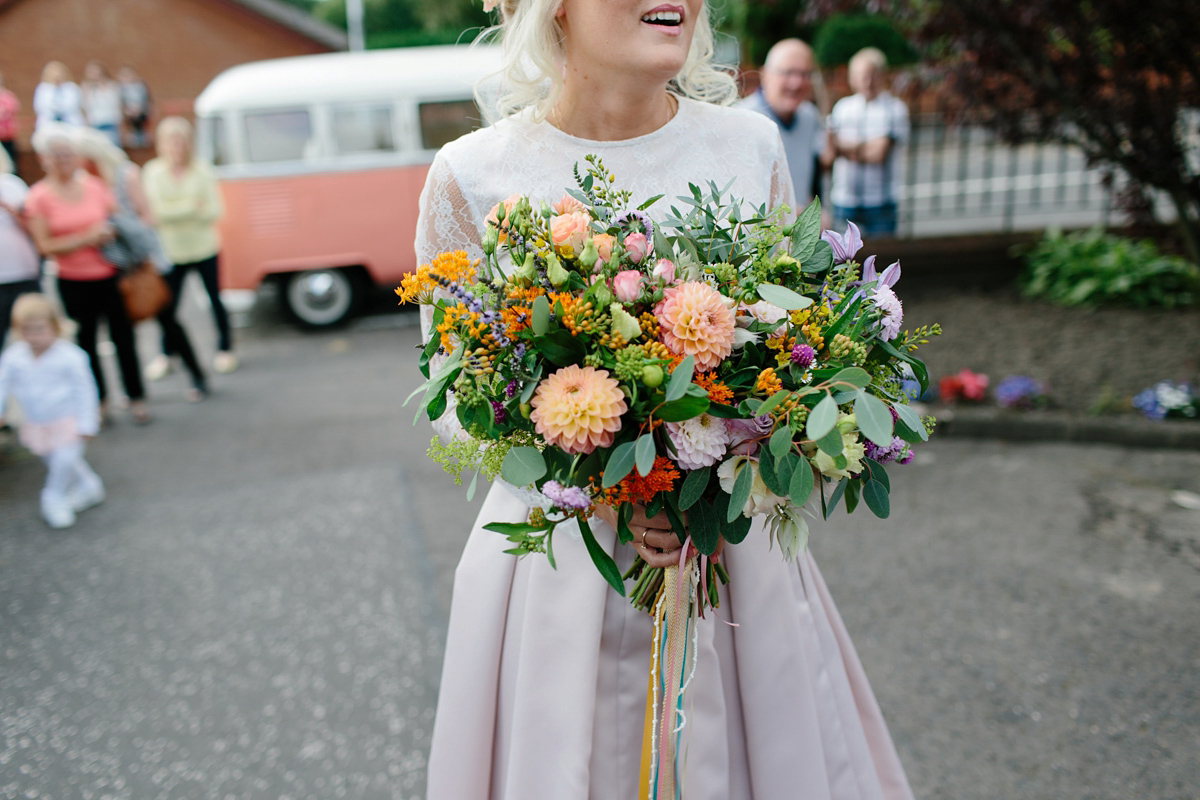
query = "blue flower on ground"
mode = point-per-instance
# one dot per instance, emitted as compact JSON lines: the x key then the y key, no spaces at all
{"x":1019,"y":391}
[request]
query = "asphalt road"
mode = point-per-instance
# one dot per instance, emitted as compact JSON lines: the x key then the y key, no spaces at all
{"x":258,"y":609}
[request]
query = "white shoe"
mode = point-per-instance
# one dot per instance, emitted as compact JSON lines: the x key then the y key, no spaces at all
{"x":159,"y":367}
{"x":225,"y":361}
{"x":84,"y":499}
{"x":58,"y":515}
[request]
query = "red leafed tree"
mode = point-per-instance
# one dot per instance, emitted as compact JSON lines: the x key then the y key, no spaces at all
{"x":1119,"y":78}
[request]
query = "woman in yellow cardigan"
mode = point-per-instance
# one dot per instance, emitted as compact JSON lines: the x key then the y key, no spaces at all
{"x":186,"y":204}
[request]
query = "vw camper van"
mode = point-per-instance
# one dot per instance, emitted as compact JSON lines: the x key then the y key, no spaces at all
{"x":321,"y":160}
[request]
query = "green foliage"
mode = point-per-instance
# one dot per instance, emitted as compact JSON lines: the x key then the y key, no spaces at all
{"x":420,"y":38}
{"x":843,"y":35}
{"x":408,"y":23}
{"x":761,"y":23}
{"x":1090,"y":268}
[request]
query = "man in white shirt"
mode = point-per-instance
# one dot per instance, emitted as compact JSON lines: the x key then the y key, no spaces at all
{"x":785,"y":96}
{"x":866,"y":132}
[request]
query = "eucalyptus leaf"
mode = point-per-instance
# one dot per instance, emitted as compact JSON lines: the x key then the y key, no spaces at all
{"x":912,"y":419}
{"x":644,"y":454}
{"x":875,"y":495}
{"x":783,"y":297}
{"x":822,"y":419}
{"x":680,"y":379}
{"x":835,"y":497}
{"x":831,"y":443}
{"x":878,"y":473}
{"x":704,"y":527}
{"x":856,"y":376}
{"x":685,"y":407}
{"x":874,"y":419}
{"x":522,"y":466}
{"x":771,"y":402}
{"x":541,"y":315}
{"x":801,"y":486}
{"x":620,"y":464}
{"x":781,"y":441}
{"x":741,"y":491}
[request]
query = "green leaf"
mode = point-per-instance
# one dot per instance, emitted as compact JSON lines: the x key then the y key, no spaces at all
{"x":560,"y":347}
{"x":831,"y":443}
{"x":917,"y":364}
{"x":875,"y":495}
{"x":781,"y":441}
{"x":541,"y":315}
{"x":471,"y":487}
{"x":602,"y":560}
{"x":437,"y":406}
{"x":620,"y":464}
{"x":766,"y":471}
{"x":874,"y":419}
{"x":807,"y":232}
{"x":821,"y":259}
{"x":784,"y":469}
{"x":822,"y":419}
{"x":771,"y":402}
{"x":704,"y":527}
{"x":624,"y":514}
{"x":878,"y":473}
{"x":741,"y":491}
{"x":550,"y":549}
{"x":680,"y":379}
{"x":522,"y":466}
{"x":685,"y":407}
{"x":838,"y":491}
{"x":912,"y":419}
{"x":853,"y":491}
{"x":856,"y":376}
{"x":723,"y":411}
{"x":514,"y":528}
{"x":693,"y":487}
{"x":801,"y":486}
{"x":734,"y":531}
{"x":675,"y":516}
{"x":650,"y":202}
{"x":783,"y":297}
{"x":644,"y":454}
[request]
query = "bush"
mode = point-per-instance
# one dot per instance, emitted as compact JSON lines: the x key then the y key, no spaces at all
{"x":420,"y":38}
{"x":1090,"y":268}
{"x":843,"y":35}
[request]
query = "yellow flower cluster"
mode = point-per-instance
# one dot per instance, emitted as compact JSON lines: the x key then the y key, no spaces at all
{"x":812,"y":321}
{"x":768,"y":381}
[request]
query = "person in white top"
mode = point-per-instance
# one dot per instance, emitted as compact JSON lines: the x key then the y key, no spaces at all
{"x":102,"y":101}
{"x":20,"y":264}
{"x":866,"y":132}
{"x":786,"y":94}
{"x":51,"y":380}
{"x":57,"y":97}
{"x":543,"y":690}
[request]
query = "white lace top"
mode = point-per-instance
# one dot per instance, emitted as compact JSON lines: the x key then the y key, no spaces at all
{"x":701,"y":143}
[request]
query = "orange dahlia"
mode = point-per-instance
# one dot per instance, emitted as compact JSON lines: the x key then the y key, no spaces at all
{"x":696,"y":321}
{"x":578,"y":409}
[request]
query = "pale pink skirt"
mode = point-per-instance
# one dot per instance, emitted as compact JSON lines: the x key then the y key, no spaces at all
{"x":544,"y":683}
{"x":43,"y":438}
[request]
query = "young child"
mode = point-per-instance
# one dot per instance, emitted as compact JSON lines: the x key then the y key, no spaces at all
{"x":51,"y":380}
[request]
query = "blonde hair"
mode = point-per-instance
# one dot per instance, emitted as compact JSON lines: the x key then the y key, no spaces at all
{"x":94,"y":146}
{"x":869,"y":55}
{"x":50,"y":134}
{"x":533,"y":58}
{"x":35,"y":306}
{"x":55,"y":69}
{"x":169,"y":126}
{"x":6,"y":165}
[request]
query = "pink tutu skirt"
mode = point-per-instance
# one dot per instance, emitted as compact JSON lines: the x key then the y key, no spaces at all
{"x":43,"y":438}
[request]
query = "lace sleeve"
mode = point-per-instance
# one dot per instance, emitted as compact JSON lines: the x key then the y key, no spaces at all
{"x":782,"y":190}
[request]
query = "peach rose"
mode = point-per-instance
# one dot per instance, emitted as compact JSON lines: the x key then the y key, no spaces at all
{"x":569,"y":232}
{"x":568,"y":205}
{"x":604,"y":244}
{"x":665,"y":269}
{"x":627,"y":285}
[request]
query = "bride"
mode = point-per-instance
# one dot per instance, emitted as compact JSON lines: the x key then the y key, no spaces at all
{"x":544,"y":685}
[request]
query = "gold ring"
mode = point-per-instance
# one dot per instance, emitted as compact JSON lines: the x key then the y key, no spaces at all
{"x":643,"y":537}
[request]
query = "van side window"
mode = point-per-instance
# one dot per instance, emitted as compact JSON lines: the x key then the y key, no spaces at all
{"x":363,"y":129}
{"x":212,"y":129}
{"x":445,"y":122}
{"x":278,"y":135}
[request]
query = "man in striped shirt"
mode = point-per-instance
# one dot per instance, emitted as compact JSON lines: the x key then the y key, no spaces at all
{"x":866,"y":131}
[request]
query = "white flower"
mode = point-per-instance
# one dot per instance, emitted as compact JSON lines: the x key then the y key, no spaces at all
{"x":852,"y":449}
{"x":699,"y":442}
{"x":789,"y":529}
{"x":761,"y":498}
{"x":893,"y":312}
{"x":743,"y":337}
{"x":766,"y":312}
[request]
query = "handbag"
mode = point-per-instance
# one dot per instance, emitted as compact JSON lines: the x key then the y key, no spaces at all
{"x":145,"y":292}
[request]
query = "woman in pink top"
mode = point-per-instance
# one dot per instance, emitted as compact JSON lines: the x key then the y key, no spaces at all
{"x":68,"y":218}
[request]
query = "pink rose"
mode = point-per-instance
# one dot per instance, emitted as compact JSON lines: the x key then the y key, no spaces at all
{"x":569,"y":232}
{"x":637,"y":247}
{"x":568,"y":205}
{"x":665,"y":270}
{"x":627,"y":285}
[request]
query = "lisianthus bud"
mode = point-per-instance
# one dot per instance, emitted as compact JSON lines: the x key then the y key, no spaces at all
{"x":526,"y":274}
{"x":627,"y":285}
{"x":590,"y":254}
{"x":784,"y":261}
{"x":652,"y":376}
{"x":555,"y":272}
{"x":623,"y":323}
{"x":501,"y":212}
{"x":490,"y":239}
{"x":637,"y":247}
{"x":847,"y":422}
{"x":526,"y":410}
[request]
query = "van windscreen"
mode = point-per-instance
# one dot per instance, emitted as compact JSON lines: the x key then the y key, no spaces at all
{"x":444,"y":122}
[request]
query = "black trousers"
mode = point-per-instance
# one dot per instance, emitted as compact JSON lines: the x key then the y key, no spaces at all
{"x":86,"y":302}
{"x":9,"y":292}
{"x":175,"y":340}
{"x":207,"y":269}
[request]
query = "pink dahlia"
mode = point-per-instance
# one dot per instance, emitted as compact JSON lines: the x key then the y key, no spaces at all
{"x":696,"y":321}
{"x":578,"y":409}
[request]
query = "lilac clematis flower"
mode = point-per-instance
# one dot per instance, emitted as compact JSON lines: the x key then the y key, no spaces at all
{"x":887,"y":278}
{"x":845,"y":245}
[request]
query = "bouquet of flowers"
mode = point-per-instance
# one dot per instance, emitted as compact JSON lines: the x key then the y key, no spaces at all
{"x":1168,"y":399}
{"x":722,"y":365}
{"x":716,"y":367}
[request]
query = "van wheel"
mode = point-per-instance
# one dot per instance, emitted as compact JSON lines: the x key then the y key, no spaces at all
{"x":320,"y":298}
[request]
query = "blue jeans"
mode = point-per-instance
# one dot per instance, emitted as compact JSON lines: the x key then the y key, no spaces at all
{"x":869,"y":219}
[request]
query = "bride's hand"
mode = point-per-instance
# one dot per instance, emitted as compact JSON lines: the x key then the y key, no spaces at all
{"x":656,"y":543}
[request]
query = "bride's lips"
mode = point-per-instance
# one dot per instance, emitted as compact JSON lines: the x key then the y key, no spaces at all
{"x":666,"y":18}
